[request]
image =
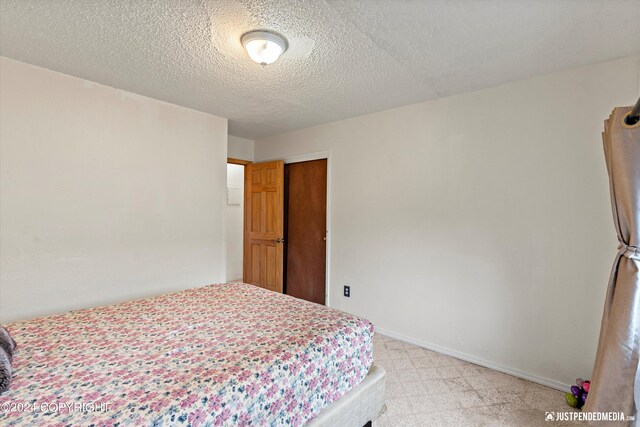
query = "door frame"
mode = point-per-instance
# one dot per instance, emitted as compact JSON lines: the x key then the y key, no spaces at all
{"x":318,"y":155}
{"x":235,"y":161}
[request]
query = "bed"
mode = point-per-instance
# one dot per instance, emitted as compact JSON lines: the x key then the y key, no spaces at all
{"x":220,"y":355}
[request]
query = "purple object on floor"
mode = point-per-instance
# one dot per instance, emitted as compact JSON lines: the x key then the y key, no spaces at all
{"x":576,"y":391}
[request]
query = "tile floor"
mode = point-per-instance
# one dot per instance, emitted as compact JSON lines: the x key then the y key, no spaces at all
{"x":425,"y":388}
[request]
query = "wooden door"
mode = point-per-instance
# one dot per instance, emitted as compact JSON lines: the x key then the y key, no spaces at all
{"x":263,"y":224}
{"x":306,"y":227}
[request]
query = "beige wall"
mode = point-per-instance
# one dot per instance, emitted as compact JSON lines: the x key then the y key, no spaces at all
{"x":106,"y":195}
{"x":479,"y":224}
{"x":240,"y":148}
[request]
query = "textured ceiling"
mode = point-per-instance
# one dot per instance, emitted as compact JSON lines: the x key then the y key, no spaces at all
{"x":346,"y":58}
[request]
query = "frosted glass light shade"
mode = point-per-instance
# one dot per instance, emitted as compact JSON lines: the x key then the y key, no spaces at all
{"x":264,"y":47}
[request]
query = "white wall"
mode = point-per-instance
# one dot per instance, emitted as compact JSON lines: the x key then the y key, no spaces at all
{"x":235,"y":218}
{"x":479,"y":224}
{"x":240,"y":148}
{"x":106,"y":195}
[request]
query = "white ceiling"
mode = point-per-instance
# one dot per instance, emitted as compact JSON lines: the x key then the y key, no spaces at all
{"x":346,"y":58}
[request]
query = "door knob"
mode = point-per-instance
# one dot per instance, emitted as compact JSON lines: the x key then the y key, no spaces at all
{"x":279,"y":240}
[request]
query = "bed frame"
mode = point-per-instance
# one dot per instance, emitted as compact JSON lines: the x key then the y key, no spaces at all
{"x":359,"y":406}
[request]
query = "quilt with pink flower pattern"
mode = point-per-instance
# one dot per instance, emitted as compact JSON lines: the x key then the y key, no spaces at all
{"x":220,"y":355}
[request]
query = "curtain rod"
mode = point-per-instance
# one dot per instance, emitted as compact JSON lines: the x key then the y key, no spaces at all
{"x":634,"y":115}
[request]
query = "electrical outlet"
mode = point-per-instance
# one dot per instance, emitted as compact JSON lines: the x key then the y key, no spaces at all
{"x":347,"y":291}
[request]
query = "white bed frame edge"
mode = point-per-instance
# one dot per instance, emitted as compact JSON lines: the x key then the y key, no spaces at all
{"x":361,"y":404}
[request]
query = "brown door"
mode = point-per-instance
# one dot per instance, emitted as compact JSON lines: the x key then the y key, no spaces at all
{"x":263,"y":222}
{"x":306,"y":227}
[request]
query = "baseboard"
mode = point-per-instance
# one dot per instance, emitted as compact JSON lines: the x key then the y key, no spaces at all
{"x":476,"y":360}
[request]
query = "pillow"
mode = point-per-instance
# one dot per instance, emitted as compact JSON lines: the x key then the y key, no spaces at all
{"x":7,"y":346}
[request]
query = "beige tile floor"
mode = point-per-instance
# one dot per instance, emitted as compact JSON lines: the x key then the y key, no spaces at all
{"x":425,"y":388}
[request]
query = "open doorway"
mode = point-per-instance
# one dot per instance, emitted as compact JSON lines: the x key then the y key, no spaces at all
{"x":235,"y":218}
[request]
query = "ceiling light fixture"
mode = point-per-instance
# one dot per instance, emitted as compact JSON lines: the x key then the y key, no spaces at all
{"x":264,"y":47}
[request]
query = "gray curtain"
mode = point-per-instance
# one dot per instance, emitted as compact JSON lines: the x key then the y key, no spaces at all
{"x":615,"y":384}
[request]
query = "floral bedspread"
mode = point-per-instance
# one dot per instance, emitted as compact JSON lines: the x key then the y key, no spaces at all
{"x":220,"y":355}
